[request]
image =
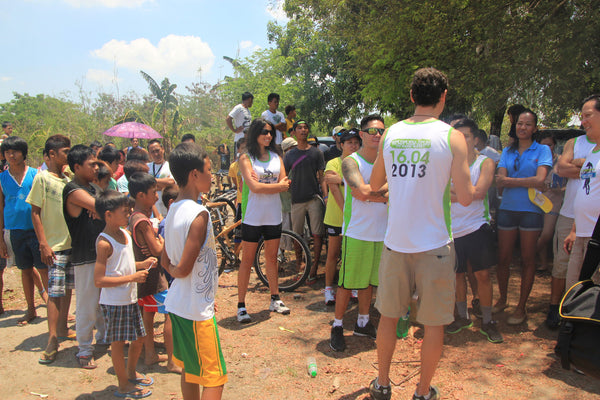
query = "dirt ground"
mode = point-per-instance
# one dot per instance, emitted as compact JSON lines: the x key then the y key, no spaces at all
{"x":267,"y":358}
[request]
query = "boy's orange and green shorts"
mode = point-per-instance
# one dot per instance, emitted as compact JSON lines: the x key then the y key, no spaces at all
{"x":197,"y":349}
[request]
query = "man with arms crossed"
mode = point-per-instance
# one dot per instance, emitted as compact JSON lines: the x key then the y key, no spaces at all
{"x":418,"y":156}
{"x":569,"y":166}
{"x":586,"y":205}
{"x":240,"y":117}
{"x":365,"y":216}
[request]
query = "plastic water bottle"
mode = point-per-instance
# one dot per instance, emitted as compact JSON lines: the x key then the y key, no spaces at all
{"x":311,"y":364}
{"x":403,"y":325}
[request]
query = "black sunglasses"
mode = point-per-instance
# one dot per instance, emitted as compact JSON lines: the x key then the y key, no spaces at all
{"x":374,"y":131}
{"x":266,"y":132}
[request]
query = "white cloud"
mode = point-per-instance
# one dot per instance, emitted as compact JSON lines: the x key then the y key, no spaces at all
{"x":6,"y":78}
{"x":245,"y":44}
{"x":248,"y":47}
{"x":275,"y":10}
{"x":107,"y":3}
{"x":174,"y":55}
{"x":101,"y":77}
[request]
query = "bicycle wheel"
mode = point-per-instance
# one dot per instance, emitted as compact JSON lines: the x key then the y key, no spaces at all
{"x":225,"y":255}
{"x":222,"y":216}
{"x":293,"y":259}
{"x":227,"y":211}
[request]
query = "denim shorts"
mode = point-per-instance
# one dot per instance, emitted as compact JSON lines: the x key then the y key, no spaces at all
{"x":26,"y":248}
{"x":521,"y":220}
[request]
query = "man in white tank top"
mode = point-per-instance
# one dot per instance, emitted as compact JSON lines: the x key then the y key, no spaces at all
{"x":568,"y":166}
{"x":417,"y":157}
{"x":587,"y":197}
{"x":365,"y":217}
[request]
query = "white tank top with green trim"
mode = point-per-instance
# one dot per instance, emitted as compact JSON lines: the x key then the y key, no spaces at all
{"x":418,"y":160}
{"x":468,"y":219}
{"x":260,"y":209}
{"x":363,"y":220}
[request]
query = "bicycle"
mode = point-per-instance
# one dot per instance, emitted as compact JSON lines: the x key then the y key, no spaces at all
{"x":292,"y":269}
{"x":228,"y":259}
{"x":222,"y":211}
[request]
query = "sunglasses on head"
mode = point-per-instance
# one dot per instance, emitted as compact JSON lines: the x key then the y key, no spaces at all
{"x":374,"y":131}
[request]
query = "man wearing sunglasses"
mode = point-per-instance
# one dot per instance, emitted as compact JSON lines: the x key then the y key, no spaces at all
{"x":365,"y":217}
{"x":417,"y":157}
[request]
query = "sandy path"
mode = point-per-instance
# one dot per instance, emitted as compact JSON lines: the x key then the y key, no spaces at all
{"x":267,"y":362}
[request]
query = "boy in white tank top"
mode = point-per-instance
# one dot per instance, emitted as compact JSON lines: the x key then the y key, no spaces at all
{"x":190,"y":256}
{"x":117,"y":273}
{"x":473,"y":240}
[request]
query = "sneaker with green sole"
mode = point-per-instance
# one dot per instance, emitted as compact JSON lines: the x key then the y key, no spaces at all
{"x":458,"y":325}
{"x":490,"y":330}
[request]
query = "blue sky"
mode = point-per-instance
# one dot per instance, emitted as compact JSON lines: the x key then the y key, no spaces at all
{"x":50,"y":45}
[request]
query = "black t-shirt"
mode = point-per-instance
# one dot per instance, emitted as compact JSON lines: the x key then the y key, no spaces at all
{"x":332,"y":153}
{"x":225,"y":157}
{"x":302,"y":167}
{"x":83,"y":229}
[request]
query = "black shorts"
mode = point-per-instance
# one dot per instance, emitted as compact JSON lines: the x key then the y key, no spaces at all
{"x":333,"y":230}
{"x":477,"y":248}
{"x":253,"y":234}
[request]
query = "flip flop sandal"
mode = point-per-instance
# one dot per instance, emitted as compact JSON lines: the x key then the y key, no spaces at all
{"x":72,"y":336}
{"x":86,"y":362}
{"x":136,"y":393}
{"x":143,"y":380}
{"x":48,"y":358}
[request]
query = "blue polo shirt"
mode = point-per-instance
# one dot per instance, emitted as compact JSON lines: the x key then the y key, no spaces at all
{"x":523,"y":166}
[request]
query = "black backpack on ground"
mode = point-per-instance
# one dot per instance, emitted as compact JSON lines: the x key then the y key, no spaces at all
{"x":579,"y":335}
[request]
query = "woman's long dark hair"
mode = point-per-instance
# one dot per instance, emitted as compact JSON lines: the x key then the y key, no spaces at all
{"x":515,"y":144}
{"x":254,"y":132}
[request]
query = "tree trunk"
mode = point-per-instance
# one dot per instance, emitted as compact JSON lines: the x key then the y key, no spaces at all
{"x":166,"y":140}
{"x":496,"y":122}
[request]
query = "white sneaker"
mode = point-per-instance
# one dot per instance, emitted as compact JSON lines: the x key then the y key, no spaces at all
{"x":242,"y":316}
{"x":279,"y":307}
{"x":329,"y":297}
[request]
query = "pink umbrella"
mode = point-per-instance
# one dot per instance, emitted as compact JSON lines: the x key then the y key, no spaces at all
{"x":133,"y":130}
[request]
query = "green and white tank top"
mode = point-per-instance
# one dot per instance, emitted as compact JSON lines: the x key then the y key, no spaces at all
{"x":260,"y":209}
{"x":363,"y":220}
{"x":418,"y":159}
{"x":581,"y":148}
{"x":468,"y":219}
